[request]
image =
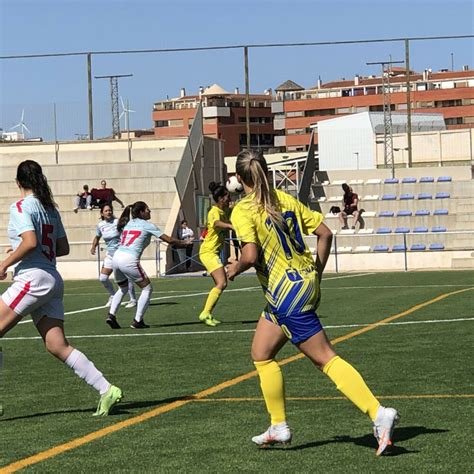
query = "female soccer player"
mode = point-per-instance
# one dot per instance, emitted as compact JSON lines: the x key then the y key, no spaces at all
{"x":136,"y":236}
{"x":107,"y":228}
{"x":209,"y":253}
{"x":37,"y":237}
{"x":270,"y":225}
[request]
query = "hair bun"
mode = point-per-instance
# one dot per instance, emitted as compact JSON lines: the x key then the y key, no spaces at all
{"x":213,"y":186}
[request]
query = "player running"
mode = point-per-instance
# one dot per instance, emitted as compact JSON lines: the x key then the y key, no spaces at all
{"x":217,"y":225}
{"x":37,"y":237}
{"x":270,"y":225}
{"x":107,"y":229}
{"x":136,"y":235}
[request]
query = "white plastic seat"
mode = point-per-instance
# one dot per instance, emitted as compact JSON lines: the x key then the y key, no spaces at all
{"x":362,"y":249}
{"x":335,"y":199}
{"x":371,"y":197}
{"x":366,"y":231}
{"x":373,"y":181}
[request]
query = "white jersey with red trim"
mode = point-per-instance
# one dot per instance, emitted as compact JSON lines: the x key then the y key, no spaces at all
{"x":136,"y":236}
{"x":29,"y":214}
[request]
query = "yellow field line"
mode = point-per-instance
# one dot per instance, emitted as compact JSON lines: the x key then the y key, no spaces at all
{"x":305,"y":399}
{"x":75,"y":443}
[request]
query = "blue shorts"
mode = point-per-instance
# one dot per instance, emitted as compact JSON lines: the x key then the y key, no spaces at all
{"x":297,"y":327}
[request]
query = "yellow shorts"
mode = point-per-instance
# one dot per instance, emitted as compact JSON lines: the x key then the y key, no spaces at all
{"x":211,"y":261}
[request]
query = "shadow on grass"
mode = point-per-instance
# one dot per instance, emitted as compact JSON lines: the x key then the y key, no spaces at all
{"x":368,"y":440}
{"x":121,"y":409}
{"x":163,"y":303}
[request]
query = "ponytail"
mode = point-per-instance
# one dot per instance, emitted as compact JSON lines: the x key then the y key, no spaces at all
{"x":252,"y":168}
{"x":29,"y":175}
{"x":135,"y":209}
{"x":124,"y":218}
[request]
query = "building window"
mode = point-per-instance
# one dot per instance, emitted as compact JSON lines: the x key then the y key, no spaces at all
{"x":161,"y":123}
{"x":176,"y":123}
{"x":454,"y":121}
{"x":343,"y":110}
{"x":299,"y":113}
{"x":296,"y":131}
{"x":448,"y":103}
{"x":313,"y":113}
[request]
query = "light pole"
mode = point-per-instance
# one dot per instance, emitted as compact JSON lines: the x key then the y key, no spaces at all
{"x":356,"y":154}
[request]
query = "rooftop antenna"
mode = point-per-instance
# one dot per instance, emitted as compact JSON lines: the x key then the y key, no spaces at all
{"x":114,"y":96}
{"x":389,"y":161}
{"x":21,"y":124}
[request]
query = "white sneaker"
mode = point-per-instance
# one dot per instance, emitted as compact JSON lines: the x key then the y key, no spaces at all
{"x":131,"y":304}
{"x":109,"y":303}
{"x":276,"y":434}
{"x":384,"y":425}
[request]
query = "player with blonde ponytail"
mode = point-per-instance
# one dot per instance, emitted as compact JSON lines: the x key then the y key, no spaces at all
{"x":270,"y":225}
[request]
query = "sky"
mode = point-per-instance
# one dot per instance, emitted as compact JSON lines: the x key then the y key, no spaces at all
{"x":59,"y":26}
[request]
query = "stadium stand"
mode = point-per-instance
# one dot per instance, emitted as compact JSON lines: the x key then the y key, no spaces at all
{"x":406,"y":196}
{"x":426,"y":179}
{"x":425,"y":196}
{"x":409,"y":180}
{"x":444,"y":179}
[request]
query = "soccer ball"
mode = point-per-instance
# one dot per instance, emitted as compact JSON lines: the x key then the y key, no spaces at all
{"x":233,"y":186}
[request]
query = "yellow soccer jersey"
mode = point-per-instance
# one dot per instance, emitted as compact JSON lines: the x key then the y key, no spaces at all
{"x":214,"y":240}
{"x":285,"y":266}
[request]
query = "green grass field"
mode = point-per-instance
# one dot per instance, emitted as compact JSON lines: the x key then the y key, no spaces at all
{"x":420,"y":363}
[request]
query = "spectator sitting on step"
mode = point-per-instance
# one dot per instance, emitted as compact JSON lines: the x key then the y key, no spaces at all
{"x":83,"y":199}
{"x":104,"y":195}
{"x":350,"y":200}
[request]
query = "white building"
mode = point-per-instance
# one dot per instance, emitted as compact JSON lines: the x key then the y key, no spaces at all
{"x":350,"y":142}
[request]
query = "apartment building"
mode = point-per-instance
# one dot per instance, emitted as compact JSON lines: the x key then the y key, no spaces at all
{"x":224,"y":117}
{"x":295,"y":108}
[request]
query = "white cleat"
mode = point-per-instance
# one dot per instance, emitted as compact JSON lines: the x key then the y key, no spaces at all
{"x":276,"y":434}
{"x":384,"y":425}
{"x":109,"y":303}
{"x":131,"y":304}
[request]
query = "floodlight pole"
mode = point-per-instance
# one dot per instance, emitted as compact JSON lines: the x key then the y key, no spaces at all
{"x":114,"y":97}
{"x":89,"y":96}
{"x":247,"y":95}
{"x":389,"y":160}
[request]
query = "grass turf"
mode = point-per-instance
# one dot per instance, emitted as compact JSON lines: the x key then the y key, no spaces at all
{"x":46,"y":405}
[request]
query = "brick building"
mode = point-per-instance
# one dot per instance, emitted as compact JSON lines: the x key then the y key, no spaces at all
{"x":224,"y":117}
{"x":295,"y":109}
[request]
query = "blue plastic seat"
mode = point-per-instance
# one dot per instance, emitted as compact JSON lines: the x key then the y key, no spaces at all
{"x":420,"y":229}
{"x":402,"y":230}
{"x":390,"y":181}
{"x":404,"y":213}
{"x":386,"y":214}
{"x":438,"y":228}
{"x":398,"y":248}
{"x":422,"y":212}
{"x":427,"y":179}
{"x":444,"y":179}
{"x":389,"y":197}
{"x":383,"y":230}
{"x":425,"y":196}
{"x":418,"y":247}
{"x":380,"y":248}
{"x":408,"y":180}
{"x":436,"y":247}
{"x":440,"y":212}
{"x":442,"y":195}
{"x":406,"y":196}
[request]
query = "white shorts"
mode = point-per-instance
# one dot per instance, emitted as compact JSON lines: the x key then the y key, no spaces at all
{"x":127,"y":267}
{"x":107,"y":263}
{"x":36,"y":292}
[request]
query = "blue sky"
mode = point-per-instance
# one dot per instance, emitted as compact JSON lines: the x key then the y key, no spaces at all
{"x":33,"y":27}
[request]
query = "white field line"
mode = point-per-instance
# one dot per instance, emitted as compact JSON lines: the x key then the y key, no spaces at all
{"x":234,"y":331}
{"x":250,"y":288}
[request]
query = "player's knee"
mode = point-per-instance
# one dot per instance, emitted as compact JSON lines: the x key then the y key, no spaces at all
{"x":147,"y":289}
{"x":56,"y":348}
{"x":123,"y":287}
{"x":222,"y":285}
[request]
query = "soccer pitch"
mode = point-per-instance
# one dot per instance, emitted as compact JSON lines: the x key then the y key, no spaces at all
{"x":192,"y":400}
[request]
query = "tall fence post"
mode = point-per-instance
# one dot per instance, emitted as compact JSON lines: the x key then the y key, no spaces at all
{"x":335,"y":253}
{"x":98,"y":261}
{"x":405,"y":250}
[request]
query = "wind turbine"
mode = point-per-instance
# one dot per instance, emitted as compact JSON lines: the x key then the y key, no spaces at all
{"x":21,"y":124}
{"x":125,"y":111}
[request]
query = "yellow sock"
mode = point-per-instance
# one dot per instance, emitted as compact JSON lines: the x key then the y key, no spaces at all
{"x":349,"y":382}
{"x":212,"y":300}
{"x":273,"y":389}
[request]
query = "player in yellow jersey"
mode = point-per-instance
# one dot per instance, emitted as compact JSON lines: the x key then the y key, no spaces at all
{"x":218,"y":225}
{"x":270,"y":225}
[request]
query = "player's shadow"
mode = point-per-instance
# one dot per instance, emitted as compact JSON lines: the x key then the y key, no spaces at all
{"x":163,"y":303}
{"x":401,"y":434}
{"x":121,"y":409}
